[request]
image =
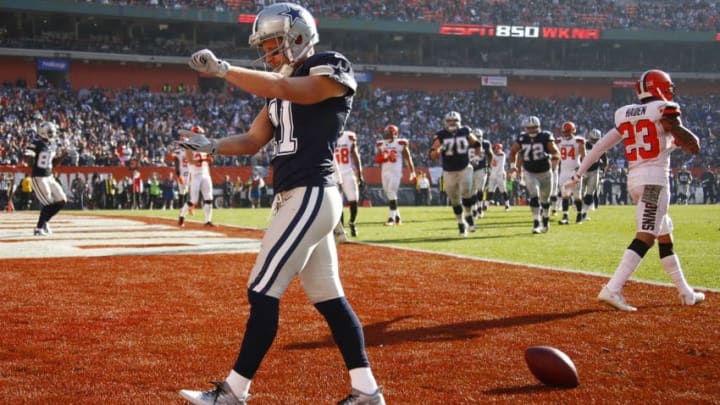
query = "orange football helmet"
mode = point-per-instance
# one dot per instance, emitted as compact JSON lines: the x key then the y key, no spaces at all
{"x":568,"y":129}
{"x":198,"y":129}
{"x":390,"y":132}
{"x":498,"y":147}
{"x":655,"y":83}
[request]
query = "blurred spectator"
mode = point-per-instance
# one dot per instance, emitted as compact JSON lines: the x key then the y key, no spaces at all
{"x":168,"y":191}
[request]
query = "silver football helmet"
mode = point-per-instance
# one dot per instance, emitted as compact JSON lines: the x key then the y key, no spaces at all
{"x":478,"y":134}
{"x":531,"y":125}
{"x":453,"y":121}
{"x":291,"y":24}
{"x":47,"y":130}
{"x":594,"y":135}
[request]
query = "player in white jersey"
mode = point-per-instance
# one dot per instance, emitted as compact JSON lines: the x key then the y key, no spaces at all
{"x":650,"y":132}
{"x":498,"y":175}
{"x":572,"y":151}
{"x":391,"y":152}
{"x":348,"y":162}
{"x":200,"y":182}
{"x":182,"y":172}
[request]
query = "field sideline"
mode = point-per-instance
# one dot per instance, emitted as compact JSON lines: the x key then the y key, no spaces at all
{"x":594,"y":246}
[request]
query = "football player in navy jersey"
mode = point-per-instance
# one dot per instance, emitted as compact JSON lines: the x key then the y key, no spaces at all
{"x":539,"y":157}
{"x":47,"y":190}
{"x":453,"y":143}
{"x":480,"y":158}
{"x":591,"y":179}
{"x":308,"y":98}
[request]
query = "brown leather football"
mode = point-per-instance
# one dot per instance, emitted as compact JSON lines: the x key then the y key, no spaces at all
{"x":551,"y":366}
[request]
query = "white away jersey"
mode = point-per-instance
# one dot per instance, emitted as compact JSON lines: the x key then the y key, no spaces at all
{"x":569,"y":153}
{"x":343,"y":152}
{"x":392,"y":153}
{"x":647,"y":145}
{"x":497,"y":164}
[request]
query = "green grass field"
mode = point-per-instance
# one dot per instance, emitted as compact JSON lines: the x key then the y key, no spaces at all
{"x":595,"y":246}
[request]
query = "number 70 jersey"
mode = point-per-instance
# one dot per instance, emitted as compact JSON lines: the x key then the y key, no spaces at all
{"x":647,"y":145}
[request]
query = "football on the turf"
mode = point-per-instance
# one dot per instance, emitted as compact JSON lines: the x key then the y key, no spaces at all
{"x":551,"y":366}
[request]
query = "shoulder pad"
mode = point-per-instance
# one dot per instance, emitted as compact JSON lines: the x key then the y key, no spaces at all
{"x":402,"y":141}
{"x":334,"y":65}
{"x":671,"y":108}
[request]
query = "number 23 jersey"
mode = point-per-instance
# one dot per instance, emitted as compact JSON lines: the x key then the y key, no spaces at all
{"x":647,"y":145}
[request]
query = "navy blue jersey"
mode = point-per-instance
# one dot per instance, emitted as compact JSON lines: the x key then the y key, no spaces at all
{"x":480,"y":159}
{"x":534,"y":151}
{"x":305,"y":135}
{"x":684,"y":177}
{"x":44,"y":155}
{"x":455,"y":146}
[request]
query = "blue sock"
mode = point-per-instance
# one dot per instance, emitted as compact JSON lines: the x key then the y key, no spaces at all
{"x":346,"y":331}
{"x":262,"y":326}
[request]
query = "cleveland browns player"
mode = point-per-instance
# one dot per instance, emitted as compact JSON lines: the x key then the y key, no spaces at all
{"x":650,"y":131}
{"x":348,"y":162}
{"x":392,"y":151}
{"x":572,"y":151}
{"x":536,"y":153}
{"x":199,"y":179}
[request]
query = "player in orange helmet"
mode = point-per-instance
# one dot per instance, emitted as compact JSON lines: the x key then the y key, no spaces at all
{"x":391,"y":152}
{"x":650,"y":131}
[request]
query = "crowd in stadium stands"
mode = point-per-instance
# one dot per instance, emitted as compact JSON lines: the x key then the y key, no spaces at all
{"x":112,"y":127}
{"x":700,"y":15}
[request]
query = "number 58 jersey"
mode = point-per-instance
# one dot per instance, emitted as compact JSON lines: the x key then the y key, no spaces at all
{"x":647,"y":145}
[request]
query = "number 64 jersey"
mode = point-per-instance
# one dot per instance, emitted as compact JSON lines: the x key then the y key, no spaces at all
{"x":647,"y":145}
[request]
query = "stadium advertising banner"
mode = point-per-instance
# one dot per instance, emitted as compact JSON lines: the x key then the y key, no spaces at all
{"x":58,"y":65}
{"x":519,"y":31}
{"x":494,"y":81}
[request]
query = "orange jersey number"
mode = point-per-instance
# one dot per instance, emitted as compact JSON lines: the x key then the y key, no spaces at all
{"x":342,"y":155}
{"x":567,"y":152}
{"x":643,"y":131}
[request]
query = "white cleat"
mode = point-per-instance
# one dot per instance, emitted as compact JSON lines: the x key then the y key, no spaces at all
{"x":615,"y":300}
{"x":691,"y":299}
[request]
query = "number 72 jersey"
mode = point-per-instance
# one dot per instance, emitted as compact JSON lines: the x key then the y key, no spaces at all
{"x":647,"y":145}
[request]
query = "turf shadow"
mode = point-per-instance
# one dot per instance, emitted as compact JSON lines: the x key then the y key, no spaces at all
{"x":377,"y":334}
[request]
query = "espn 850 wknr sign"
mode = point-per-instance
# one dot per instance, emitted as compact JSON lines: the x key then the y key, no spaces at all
{"x":520,"y":31}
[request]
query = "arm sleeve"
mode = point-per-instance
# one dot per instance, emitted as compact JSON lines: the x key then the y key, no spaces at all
{"x":611,"y":138}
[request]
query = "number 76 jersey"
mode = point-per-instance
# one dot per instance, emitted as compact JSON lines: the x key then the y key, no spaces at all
{"x":647,"y":145}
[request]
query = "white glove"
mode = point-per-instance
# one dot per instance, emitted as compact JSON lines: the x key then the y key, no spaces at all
{"x":196,"y":142}
{"x":412,"y":176}
{"x":205,"y":61}
{"x":569,"y":185}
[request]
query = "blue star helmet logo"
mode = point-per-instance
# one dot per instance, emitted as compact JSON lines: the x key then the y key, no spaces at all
{"x":293,"y":14}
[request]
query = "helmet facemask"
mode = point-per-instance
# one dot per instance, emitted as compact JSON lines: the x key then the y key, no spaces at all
{"x":452,"y":121}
